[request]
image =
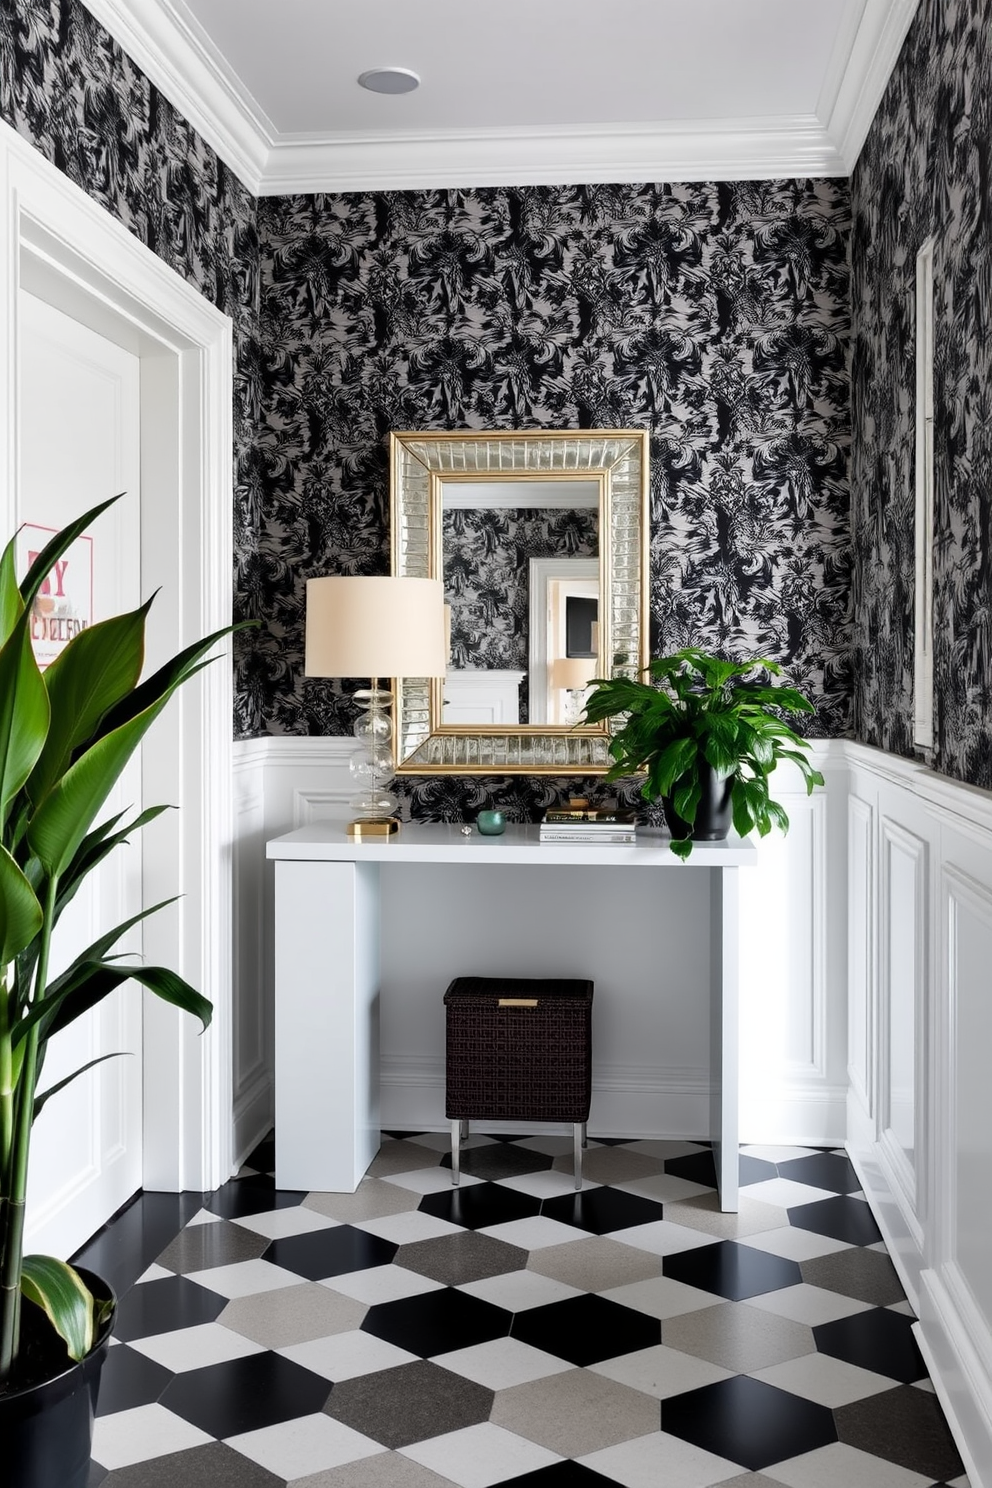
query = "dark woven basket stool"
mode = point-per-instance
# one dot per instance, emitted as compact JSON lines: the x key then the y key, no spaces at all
{"x":518,"y":1049}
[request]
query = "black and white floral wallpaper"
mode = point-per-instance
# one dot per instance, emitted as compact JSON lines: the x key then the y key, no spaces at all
{"x":715,"y":315}
{"x":926,"y":169}
{"x":67,"y":87}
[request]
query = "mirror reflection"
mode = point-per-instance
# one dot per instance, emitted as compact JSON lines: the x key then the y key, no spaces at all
{"x":520,"y":560}
{"x":540,"y":538}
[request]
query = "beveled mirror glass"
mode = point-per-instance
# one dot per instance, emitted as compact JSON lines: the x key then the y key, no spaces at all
{"x":541,"y":540}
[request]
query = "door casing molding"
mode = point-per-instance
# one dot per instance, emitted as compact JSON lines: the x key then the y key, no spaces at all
{"x":185,"y":345}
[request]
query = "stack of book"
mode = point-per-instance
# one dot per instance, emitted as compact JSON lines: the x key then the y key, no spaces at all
{"x":587,"y":824}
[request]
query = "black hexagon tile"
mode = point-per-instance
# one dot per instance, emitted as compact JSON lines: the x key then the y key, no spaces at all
{"x":879,"y":1340}
{"x":480,"y":1205}
{"x":321,"y":1254}
{"x":437,"y":1322}
{"x":586,"y":1330}
{"x":732,"y":1270}
{"x":599,"y":1211}
{"x":749,"y":1422}
{"x":842,"y":1218}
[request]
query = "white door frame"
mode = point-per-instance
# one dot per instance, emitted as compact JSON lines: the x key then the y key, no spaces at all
{"x":542,"y":572}
{"x":185,"y":345}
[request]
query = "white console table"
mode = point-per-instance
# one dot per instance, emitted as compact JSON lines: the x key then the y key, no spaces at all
{"x":327,"y":979}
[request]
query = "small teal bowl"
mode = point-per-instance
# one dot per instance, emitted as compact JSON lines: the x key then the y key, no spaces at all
{"x":491,"y":823}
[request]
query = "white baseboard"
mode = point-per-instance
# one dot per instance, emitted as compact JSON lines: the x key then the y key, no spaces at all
{"x":960,"y":1378}
{"x":800,"y":1117}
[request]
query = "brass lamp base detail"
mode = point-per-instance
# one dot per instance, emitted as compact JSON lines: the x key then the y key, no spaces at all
{"x":373,"y":826}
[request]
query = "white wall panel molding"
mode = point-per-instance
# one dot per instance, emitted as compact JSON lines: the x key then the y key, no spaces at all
{"x":902,"y":1014}
{"x":960,"y":1371}
{"x":920,"y":856}
{"x":861,"y":978}
{"x":968,"y":808}
{"x":252,"y":1056}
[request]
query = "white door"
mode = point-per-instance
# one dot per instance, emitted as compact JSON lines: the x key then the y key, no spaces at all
{"x":79,"y":444}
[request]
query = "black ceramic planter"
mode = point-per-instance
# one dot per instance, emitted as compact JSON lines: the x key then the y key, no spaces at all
{"x":714,"y":814}
{"x":47,"y":1429}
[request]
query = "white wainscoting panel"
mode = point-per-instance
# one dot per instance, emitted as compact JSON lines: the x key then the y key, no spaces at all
{"x":860,"y":964}
{"x":252,"y":1022}
{"x":920,"y":1129}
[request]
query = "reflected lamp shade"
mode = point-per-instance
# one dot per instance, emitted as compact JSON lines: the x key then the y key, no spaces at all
{"x":573,"y":672}
{"x":375,"y":627}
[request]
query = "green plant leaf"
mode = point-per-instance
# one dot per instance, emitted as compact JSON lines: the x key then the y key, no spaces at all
{"x":686,"y":797}
{"x":45,"y":561}
{"x":777,"y":815}
{"x":681,"y":847}
{"x":164,"y":682}
{"x":740,"y":808}
{"x":97,"y":979}
{"x":99,"y":666}
{"x":24,"y":713}
{"x":98,"y":951}
{"x":674,"y":760}
{"x":66,"y":814}
{"x":11,"y":603}
{"x":42,"y":1100}
{"x":95,"y":846}
{"x":60,"y":1291}
{"x":20,"y":913}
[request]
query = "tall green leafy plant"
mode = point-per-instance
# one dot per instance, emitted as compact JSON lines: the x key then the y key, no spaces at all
{"x":65,"y":737}
{"x":701,"y":713}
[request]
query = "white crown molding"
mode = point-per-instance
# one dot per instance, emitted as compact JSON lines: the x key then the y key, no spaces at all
{"x":876,"y":49}
{"x":175,"y":56}
{"x":724,"y":150}
{"x":164,"y":40}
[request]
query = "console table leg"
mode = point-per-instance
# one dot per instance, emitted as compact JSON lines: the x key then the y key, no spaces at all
{"x":725,"y":1035}
{"x":327,"y":1024}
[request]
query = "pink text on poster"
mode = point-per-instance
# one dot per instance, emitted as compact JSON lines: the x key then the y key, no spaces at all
{"x":64,"y":604}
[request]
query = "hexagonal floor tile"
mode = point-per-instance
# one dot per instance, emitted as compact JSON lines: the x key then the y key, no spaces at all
{"x":410,"y":1403}
{"x":585,"y":1330}
{"x":437,"y":1322}
{"x":748,"y":1421}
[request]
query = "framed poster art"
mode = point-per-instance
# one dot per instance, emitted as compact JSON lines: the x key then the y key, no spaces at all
{"x":64,"y":604}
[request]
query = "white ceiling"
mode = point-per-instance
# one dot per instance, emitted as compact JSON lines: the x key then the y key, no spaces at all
{"x":519,"y":91}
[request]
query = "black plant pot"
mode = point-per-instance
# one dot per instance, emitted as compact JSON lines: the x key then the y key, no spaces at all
{"x":47,"y":1428}
{"x":714,"y":814}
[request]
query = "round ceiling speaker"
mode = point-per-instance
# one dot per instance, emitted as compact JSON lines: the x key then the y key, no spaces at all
{"x":389,"y":80}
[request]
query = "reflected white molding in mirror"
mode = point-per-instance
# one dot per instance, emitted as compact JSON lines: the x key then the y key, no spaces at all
{"x":536,"y":495}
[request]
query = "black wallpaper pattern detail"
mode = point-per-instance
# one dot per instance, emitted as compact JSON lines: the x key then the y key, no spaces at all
{"x":67,"y":87}
{"x":715,"y":315}
{"x":926,"y":168}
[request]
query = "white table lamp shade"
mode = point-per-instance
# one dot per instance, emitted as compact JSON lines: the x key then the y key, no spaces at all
{"x":375,"y":627}
{"x":573,"y":672}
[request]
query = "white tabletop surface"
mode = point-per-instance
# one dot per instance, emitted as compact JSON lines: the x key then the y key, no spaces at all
{"x":430,"y":842}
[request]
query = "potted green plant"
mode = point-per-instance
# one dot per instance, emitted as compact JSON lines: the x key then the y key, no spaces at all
{"x":707,"y":734}
{"x":65,"y":737}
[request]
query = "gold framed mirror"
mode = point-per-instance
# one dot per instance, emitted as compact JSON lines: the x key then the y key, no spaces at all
{"x":541,"y":540}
